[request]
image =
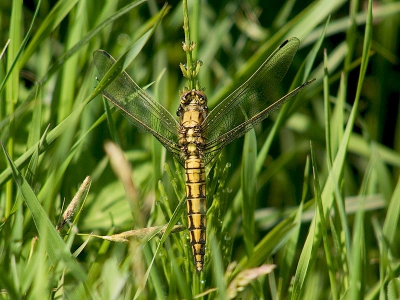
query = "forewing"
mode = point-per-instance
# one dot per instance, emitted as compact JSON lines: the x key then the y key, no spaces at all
{"x":137,"y":106}
{"x":249,"y":104}
{"x":214,"y":146}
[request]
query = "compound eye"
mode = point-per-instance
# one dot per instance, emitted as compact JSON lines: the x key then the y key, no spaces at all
{"x":179,"y":111}
{"x":202,"y":97}
{"x":184,"y":99}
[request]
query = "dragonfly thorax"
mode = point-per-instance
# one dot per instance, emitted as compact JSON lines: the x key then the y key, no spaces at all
{"x":192,"y":112}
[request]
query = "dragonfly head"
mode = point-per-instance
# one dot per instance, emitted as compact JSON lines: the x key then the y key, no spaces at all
{"x":194,"y":99}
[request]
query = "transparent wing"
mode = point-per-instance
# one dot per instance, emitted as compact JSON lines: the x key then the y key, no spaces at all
{"x":138,"y":107}
{"x":250,"y":103}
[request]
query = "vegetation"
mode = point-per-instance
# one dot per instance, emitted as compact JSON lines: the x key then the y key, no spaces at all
{"x":305,"y":206}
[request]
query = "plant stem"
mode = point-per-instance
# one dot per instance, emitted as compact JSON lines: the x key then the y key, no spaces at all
{"x":188,"y":46}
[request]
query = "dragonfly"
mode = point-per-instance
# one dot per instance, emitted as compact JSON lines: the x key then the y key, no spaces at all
{"x":197,"y":136}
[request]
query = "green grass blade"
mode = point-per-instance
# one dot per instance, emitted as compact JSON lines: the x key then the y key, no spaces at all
{"x":55,"y":246}
{"x":52,"y":20}
{"x":324,"y":228}
{"x":275,"y":239}
{"x":11,"y":87}
{"x":175,"y":217}
{"x":92,"y":34}
{"x":249,"y":178}
{"x":289,"y":255}
{"x":125,"y":59}
{"x":66,"y":124}
{"x":387,"y":240}
{"x":22,"y":46}
{"x":218,"y":268}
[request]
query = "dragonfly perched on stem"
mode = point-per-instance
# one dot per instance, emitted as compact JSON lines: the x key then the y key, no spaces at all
{"x":199,"y":136}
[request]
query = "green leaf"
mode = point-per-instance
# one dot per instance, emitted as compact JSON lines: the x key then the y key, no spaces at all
{"x":55,"y":246}
{"x":249,"y":178}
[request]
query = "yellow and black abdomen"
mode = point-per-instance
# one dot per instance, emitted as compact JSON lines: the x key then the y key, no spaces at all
{"x":196,"y":208}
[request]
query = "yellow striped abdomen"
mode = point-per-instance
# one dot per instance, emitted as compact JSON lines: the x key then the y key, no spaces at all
{"x":196,"y":208}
